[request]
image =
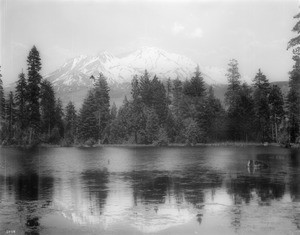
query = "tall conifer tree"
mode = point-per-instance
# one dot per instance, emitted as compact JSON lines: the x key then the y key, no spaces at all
{"x":88,"y":119}
{"x":261,"y":106}
{"x":47,"y":107}
{"x":10,"y":111}
{"x":102,"y":104}
{"x":21,"y":101}
{"x":232,"y":99}
{"x":2,"y":100}
{"x":58,"y":117}
{"x":70,"y":122}
{"x":160,"y":100}
{"x":294,"y":84}
{"x":34,"y":81}
{"x":276,"y":104}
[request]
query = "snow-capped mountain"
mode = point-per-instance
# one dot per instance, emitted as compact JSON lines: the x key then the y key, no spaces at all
{"x":160,"y":62}
{"x":77,"y":71}
{"x":72,"y":80}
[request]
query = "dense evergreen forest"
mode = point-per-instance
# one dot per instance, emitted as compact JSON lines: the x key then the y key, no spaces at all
{"x":158,"y":112}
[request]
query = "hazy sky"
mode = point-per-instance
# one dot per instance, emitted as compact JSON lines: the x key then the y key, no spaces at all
{"x":209,"y":32}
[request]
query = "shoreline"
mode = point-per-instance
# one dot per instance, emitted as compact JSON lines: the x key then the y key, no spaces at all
{"x":217,"y":144}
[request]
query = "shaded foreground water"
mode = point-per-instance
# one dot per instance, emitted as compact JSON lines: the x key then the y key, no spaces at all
{"x":175,"y":190}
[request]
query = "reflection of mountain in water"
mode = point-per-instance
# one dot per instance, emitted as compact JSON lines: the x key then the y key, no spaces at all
{"x":136,"y":192}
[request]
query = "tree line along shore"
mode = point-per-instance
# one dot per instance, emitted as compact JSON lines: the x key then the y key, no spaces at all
{"x":157,"y":112}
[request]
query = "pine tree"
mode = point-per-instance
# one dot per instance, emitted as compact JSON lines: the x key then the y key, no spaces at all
{"x":276,"y":104}
{"x":152,"y":126}
{"x":246,"y":113}
{"x":294,"y":84}
{"x":159,"y":100}
{"x":232,"y":99}
{"x":234,"y":83}
{"x":195,"y":87}
{"x":136,"y":118}
{"x":177,"y":98}
{"x":191,"y":131}
{"x":21,"y":101}
{"x":210,"y":121}
{"x":113,"y":111}
{"x":102,"y":103}
{"x":34,"y":80}
{"x":120,"y":126}
{"x":118,"y":132}
{"x":135,"y":89}
{"x":58,"y":117}
{"x":47,"y":107}
{"x":146,"y":91}
{"x":2,"y":100}
{"x":10,"y":111}
{"x":193,"y":100}
{"x":172,"y":127}
{"x":261,"y":106}
{"x":169,"y":90}
{"x":88,"y":120}
{"x":70,"y":123}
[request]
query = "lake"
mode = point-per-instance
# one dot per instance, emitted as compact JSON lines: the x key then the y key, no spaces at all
{"x":138,"y":190}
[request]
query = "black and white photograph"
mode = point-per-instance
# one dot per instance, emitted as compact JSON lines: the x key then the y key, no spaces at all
{"x":163,"y":117}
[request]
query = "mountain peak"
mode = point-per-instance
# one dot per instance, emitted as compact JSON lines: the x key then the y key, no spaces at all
{"x":150,"y":51}
{"x":156,"y":61}
{"x":105,"y":56}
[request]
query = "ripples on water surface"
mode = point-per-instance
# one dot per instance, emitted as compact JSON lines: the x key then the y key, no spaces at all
{"x":175,"y":190}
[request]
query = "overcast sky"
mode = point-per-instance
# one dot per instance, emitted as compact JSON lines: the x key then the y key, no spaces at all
{"x":209,"y":32}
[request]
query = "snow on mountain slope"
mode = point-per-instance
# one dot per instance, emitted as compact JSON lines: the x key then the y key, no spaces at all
{"x":77,"y":71}
{"x":160,"y":62}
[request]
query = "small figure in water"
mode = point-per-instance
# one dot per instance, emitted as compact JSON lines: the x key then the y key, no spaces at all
{"x":257,"y":164}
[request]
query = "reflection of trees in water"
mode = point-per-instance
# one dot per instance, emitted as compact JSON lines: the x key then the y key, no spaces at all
{"x":186,"y":187}
{"x":33,"y":194}
{"x":242,"y":188}
{"x":236,"y":217}
{"x":155,"y":187}
{"x":2,"y":187}
{"x":96,"y":183}
{"x":26,"y":186}
{"x":151,"y":187}
{"x":294,"y":180}
{"x":266,"y":188}
{"x":294,"y":183}
{"x":196,"y":180}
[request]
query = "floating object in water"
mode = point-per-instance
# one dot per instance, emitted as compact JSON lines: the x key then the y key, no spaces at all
{"x":33,"y":222}
{"x":257,"y":164}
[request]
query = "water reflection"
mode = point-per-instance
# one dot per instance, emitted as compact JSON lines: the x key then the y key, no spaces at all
{"x":147,"y":190}
{"x":25,"y":198}
{"x":96,"y":187}
{"x":245,"y":188}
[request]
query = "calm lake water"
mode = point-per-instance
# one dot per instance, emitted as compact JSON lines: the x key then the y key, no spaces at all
{"x":172,"y":190}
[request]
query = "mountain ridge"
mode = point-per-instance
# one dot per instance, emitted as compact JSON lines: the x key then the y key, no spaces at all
{"x":71,"y":81}
{"x":76,"y":71}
